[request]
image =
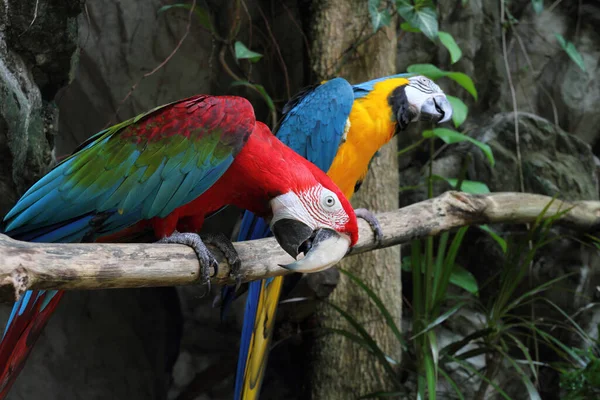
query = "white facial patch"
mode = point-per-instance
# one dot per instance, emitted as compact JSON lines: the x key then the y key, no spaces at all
{"x":424,"y":84}
{"x":418,"y":91}
{"x":317,"y":207}
{"x":289,"y":206}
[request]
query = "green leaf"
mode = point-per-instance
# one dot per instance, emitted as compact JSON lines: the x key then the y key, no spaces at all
{"x":495,"y":236}
{"x":465,"y":81}
{"x":434,"y":72}
{"x":407,"y":27}
{"x":459,"y":110}
{"x":538,"y":6}
{"x":571,"y":51}
{"x":469,"y":367}
{"x":464,"y":279}
{"x":379,"y":19}
{"x":428,"y":70}
{"x":370,"y":342}
{"x":201,"y":13}
{"x":389,"y":319}
{"x":430,"y":373}
{"x":449,"y":136}
{"x":423,"y":18}
{"x":242,"y":52}
{"x":458,"y":276}
{"x":452,"y":383}
{"x":448,"y":42}
{"x":531,"y":390}
{"x":438,"y":321}
{"x":260,"y":89}
{"x":473,"y":187}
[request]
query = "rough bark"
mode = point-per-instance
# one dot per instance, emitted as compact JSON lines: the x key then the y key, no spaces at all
{"x":341,"y":368}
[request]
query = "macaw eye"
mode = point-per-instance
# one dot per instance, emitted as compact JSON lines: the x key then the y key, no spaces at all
{"x":330,"y":203}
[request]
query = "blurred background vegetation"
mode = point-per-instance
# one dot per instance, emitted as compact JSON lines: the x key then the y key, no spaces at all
{"x":486,"y":312}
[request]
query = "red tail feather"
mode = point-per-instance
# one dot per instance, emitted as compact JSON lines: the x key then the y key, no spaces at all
{"x":22,"y":334}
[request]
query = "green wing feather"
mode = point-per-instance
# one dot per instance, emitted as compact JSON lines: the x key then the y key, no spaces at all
{"x":139,"y":169}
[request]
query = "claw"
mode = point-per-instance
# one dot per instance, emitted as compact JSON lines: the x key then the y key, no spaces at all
{"x":205,"y":257}
{"x":373,"y":222}
{"x":221,"y":242}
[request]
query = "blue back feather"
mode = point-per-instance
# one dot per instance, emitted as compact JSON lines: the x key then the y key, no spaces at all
{"x":362,"y":89}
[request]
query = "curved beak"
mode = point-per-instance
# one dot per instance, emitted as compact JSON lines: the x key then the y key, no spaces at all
{"x":436,"y":109}
{"x":322,"y":248}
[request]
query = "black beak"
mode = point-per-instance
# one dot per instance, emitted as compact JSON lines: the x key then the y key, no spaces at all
{"x":322,"y":248}
{"x":293,"y":236}
{"x":436,"y":109}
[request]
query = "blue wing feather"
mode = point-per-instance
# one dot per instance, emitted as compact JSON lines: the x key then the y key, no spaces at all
{"x":315,"y":126}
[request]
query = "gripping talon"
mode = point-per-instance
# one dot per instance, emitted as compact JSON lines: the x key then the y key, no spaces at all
{"x":373,"y":223}
{"x":205,"y":257}
{"x":221,"y":242}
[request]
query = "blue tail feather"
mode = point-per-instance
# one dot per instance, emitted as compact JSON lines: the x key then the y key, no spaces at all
{"x":247,"y":330}
{"x":251,"y":228}
{"x":73,"y":231}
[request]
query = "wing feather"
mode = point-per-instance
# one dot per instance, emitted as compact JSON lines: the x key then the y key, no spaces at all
{"x":142,"y":168}
{"x":314,"y":126}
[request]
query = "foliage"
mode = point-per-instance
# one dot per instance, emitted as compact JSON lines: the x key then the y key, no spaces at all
{"x":244,"y":53}
{"x":568,"y":47}
{"x":419,"y":16}
{"x":240,"y":51}
{"x":503,"y":337}
{"x":583,"y":382}
{"x":449,"y":136}
{"x":571,"y":51}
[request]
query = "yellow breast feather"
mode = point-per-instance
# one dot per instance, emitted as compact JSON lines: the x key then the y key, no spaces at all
{"x":371,"y":127}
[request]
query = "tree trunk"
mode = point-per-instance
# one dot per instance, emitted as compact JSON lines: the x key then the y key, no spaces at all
{"x":341,"y":367}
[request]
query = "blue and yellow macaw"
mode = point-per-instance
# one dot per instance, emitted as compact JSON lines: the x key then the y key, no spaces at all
{"x":338,"y":127}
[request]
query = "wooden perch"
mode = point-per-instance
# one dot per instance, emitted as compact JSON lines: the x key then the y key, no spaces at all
{"x":26,"y":265}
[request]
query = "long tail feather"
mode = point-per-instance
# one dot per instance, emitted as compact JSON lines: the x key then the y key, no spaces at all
{"x":28,"y":317}
{"x":259,"y":319}
{"x":33,"y":310}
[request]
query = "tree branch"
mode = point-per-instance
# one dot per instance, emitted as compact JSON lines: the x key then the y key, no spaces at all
{"x":26,"y":265}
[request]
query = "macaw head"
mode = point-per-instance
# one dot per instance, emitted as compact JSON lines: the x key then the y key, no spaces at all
{"x":419,"y":100}
{"x":317,"y":221}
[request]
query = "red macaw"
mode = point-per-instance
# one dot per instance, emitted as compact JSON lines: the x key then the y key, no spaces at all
{"x":167,"y":170}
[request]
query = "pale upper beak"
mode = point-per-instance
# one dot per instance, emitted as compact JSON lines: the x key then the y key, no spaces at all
{"x":322,"y":248}
{"x":436,"y":109}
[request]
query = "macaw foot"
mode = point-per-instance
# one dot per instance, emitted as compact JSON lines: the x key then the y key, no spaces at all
{"x":222,"y":242}
{"x":373,"y":222}
{"x":205,"y":257}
